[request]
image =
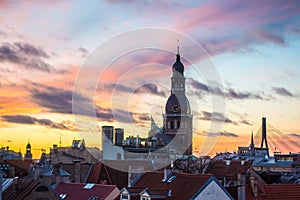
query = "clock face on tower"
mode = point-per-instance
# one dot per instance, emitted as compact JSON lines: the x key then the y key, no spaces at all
{"x":176,"y":108}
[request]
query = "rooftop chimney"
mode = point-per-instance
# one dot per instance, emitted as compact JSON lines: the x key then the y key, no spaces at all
{"x":77,"y":166}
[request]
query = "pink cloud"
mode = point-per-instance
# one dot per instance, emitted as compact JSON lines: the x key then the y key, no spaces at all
{"x":268,"y":37}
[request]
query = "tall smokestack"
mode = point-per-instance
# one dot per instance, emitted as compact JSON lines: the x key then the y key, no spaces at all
{"x":264,"y":133}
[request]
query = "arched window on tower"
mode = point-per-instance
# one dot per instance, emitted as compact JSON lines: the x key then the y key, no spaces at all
{"x":178,"y":124}
{"x":172,"y":124}
{"x":185,"y":124}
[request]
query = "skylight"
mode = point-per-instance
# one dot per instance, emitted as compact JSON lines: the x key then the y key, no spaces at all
{"x":89,"y":186}
{"x":63,"y":196}
{"x":171,"y":179}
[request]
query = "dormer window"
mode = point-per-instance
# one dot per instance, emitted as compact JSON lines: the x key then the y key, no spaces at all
{"x":145,"y":198}
{"x":125,"y":196}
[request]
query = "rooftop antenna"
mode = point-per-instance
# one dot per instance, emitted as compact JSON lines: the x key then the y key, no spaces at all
{"x":59,"y":141}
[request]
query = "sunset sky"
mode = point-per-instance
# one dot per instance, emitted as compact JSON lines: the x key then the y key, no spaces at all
{"x":44,"y":46}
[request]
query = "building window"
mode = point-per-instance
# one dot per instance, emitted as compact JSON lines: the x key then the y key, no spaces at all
{"x":145,"y":198}
{"x":125,"y":197}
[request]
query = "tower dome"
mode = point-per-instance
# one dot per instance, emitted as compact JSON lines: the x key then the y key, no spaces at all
{"x":178,"y":66}
{"x":177,"y":104}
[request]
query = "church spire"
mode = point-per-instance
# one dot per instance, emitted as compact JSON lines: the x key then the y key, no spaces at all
{"x":178,"y":54}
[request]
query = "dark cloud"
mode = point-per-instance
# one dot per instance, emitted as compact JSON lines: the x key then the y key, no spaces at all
{"x":120,"y":115}
{"x":230,"y":93}
{"x":217,"y":117}
{"x":22,"y":119}
{"x":150,"y":88}
{"x":27,"y":56}
{"x":118,"y":87}
{"x":282,"y":91}
{"x":56,"y":99}
{"x":144,"y":117}
{"x":84,"y":52}
{"x":26,"y":119}
{"x":245,"y":122}
{"x":30,"y":50}
{"x":203,"y":87}
{"x":267,"y":36}
{"x":224,"y":134}
{"x":60,"y":101}
{"x":294,"y":135}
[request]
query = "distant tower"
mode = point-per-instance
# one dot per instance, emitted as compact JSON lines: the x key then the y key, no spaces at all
{"x":154,"y":129}
{"x":264,"y":134}
{"x":178,"y":118}
{"x":252,"y":149}
{"x":107,"y":134}
{"x":119,"y":136}
{"x":28,"y":154}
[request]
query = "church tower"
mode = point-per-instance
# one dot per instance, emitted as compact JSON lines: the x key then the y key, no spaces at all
{"x":28,"y":154}
{"x":178,"y":118}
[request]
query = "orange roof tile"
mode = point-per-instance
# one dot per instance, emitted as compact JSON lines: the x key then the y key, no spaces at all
{"x":274,"y":192}
{"x":184,"y":186}
{"x":77,"y":190}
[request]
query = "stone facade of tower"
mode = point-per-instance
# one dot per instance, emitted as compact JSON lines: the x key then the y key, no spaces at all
{"x":178,"y":126}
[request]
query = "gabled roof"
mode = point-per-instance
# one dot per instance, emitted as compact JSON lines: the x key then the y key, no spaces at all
{"x":76,"y":191}
{"x":115,"y":172}
{"x":183,"y":186}
{"x":274,"y":191}
{"x":219,"y":168}
{"x":101,"y":172}
{"x":23,"y":188}
{"x":6,"y":182}
{"x":21,"y":166}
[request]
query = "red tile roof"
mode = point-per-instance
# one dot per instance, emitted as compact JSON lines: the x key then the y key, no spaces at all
{"x":184,"y":186}
{"x":76,"y":191}
{"x":94,"y":174}
{"x":21,"y":166}
{"x":219,"y":168}
{"x":115,"y":172}
{"x":100,"y":172}
{"x":278,"y":191}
